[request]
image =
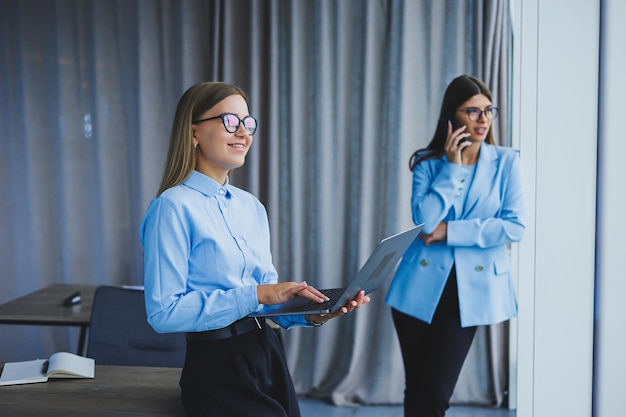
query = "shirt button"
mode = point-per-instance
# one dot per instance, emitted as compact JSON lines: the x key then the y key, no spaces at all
{"x":479,"y":268}
{"x":222,"y":192}
{"x":462,"y":179}
{"x":242,"y":242}
{"x":424,"y":262}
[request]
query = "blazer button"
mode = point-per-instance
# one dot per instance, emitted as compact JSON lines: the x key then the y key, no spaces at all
{"x":479,"y":268}
{"x":424,"y":262}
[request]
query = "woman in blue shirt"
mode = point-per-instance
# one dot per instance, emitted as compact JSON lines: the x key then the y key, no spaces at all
{"x":208,"y":265}
{"x":456,"y":276}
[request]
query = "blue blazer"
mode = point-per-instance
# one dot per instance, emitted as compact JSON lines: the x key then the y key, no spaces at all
{"x":478,"y":235}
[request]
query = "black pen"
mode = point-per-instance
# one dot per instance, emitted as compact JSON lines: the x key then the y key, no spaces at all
{"x":44,"y":367}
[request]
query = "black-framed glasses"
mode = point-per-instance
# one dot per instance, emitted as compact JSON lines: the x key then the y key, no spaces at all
{"x":232,"y":122}
{"x":474,"y":113}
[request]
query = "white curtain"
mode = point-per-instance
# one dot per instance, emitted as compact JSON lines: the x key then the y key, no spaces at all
{"x":344,"y":92}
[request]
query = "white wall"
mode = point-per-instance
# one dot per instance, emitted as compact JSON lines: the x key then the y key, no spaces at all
{"x":555,"y":128}
{"x":610,"y":365}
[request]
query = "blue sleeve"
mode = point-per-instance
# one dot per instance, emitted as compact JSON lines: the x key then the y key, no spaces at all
{"x":434,"y":191}
{"x":171,"y":305}
{"x":505,"y":226}
{"x":180,"y":296}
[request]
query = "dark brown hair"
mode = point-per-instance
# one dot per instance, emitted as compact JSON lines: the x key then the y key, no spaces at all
{"x":458,"y":92}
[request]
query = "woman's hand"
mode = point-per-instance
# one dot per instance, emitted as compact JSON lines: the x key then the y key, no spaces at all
{"x":439,"y":234}
{"x":455,"y":143}
{"x":280,"y":293}
{"x":358,"y":301}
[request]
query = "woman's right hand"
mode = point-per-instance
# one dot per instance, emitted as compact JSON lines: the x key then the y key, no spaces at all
{"x":358,"y":301}
{"x":279,"y":293}
{"x":455,"y":143}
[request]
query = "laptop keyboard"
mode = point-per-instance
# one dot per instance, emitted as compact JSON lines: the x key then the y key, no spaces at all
{"x":334,"y":294}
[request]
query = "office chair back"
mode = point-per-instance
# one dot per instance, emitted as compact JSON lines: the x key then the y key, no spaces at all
{"x":119,"y":333}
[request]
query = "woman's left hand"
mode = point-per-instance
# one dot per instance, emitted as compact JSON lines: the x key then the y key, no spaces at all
{"x":439,"y":234}
{"x":358,"y":301}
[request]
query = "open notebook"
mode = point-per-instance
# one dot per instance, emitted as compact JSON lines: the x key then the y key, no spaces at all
{"x":380,"y":265}
{"x":59,"y":365}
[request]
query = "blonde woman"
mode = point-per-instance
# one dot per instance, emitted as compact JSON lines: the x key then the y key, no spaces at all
{"x":208,"y":265}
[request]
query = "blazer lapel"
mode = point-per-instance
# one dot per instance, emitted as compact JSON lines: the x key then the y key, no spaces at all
{"x":486,"y":168}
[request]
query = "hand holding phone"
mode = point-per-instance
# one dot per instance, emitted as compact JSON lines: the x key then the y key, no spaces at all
{"x":455,"y":125}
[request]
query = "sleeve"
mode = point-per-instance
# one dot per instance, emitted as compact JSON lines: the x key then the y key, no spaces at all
{"x":170,"y":305}
{"x":288,"y":322}
{"x":506,"y":226}
{"x":435,"y":185}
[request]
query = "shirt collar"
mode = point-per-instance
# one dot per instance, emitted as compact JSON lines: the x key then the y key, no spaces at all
{"x":207,"y":185}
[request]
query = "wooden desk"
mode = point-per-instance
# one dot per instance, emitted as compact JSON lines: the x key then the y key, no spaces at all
{"x":123,"y":391}
{"x":44,"y":307}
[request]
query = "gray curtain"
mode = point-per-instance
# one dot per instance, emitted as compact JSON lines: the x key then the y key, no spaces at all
{"x":344,"y":91}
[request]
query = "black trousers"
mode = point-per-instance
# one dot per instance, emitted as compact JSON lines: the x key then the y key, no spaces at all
{"x":433,"y":354}
{"x":241,"y":376}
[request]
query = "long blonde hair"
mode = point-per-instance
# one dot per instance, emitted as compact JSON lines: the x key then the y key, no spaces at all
{"x":181,"y":155}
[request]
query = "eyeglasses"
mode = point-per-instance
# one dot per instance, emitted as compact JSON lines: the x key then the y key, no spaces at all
{"x":474,"y":113}
{"x":232,"y":122}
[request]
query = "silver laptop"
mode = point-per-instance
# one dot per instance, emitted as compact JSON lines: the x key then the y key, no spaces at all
{"x":379,"y":266}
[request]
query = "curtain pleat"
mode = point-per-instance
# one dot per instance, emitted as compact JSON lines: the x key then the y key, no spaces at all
{"x":344,"y":92}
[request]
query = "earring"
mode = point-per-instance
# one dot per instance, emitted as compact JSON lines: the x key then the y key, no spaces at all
{"x":195,"y":145}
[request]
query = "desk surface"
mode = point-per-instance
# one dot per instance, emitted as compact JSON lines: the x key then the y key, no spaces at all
{"x":45,"y":307}
{"x":127,"y":391}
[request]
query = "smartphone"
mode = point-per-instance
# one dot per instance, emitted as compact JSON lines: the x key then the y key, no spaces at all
{"x":456,"y":125}
{"x":443,"y":124}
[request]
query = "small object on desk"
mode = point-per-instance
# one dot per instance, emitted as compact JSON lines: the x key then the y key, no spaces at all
{"x":60,"y":365}
{"x":72,"y":300}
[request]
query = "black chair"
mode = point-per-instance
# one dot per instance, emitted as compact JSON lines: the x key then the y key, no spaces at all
{"x":120,"y":335}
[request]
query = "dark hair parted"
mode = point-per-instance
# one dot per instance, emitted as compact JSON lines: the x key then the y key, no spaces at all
{"x":458,"y":92}
{"x":181,"y":155}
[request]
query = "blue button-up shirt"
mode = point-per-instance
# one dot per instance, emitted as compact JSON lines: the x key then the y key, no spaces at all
{"x":206,"y":248}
